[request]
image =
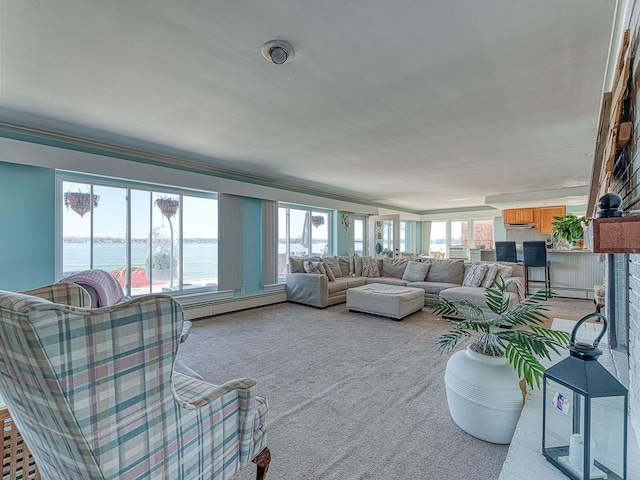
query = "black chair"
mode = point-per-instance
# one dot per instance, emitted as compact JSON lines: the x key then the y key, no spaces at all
{"x":506,"y":252}
{"x":535,"y":256}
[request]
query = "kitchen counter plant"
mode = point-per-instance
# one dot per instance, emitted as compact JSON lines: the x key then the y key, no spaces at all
{"x":570,"y":228}
{"x":483,"y":381}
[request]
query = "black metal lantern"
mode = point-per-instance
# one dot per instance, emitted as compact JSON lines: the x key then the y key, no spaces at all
{"x":584,"y":430}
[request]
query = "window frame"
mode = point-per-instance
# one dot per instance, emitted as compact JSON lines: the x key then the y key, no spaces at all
{"x":128,"y":185}
{"x":310,"y":210}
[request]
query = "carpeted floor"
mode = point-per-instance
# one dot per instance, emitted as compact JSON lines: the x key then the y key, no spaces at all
{"x":351,"y":396}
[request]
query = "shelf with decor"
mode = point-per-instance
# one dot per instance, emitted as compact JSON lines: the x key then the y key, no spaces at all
{"x":614,"y":235}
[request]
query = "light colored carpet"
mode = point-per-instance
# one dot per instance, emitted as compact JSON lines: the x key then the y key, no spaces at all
{"x":351,"y":396}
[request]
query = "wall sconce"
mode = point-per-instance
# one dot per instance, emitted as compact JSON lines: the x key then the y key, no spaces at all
{"x":346,"y":221}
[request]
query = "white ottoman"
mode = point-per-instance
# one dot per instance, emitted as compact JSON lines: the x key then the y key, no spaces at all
{"x":385,"y":300}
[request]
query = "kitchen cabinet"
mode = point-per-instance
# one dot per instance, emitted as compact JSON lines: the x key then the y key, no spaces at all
{"x":518,"y":216}
{"x":545,"y":217}
{"x":540,"y":217}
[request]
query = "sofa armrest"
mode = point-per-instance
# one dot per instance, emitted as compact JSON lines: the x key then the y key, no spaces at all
{"x":308,"y":289}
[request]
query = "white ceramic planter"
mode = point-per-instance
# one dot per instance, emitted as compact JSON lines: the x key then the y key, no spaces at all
{"x":484,"y":395}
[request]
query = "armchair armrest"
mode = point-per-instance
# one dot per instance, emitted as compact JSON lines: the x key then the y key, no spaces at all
{"x":193,"y":393}
{"x":204,"y":399}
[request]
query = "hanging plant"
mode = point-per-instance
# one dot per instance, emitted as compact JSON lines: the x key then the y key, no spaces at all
{"x":168,"y":206}
{"x":317,"y":220}
{"x":80,"y":202}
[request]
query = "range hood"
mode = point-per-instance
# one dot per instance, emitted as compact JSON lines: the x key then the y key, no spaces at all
{"x":518,"y":226}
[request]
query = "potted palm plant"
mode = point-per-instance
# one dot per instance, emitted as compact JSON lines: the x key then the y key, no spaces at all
{"x":483,"y":382}
{"x":571,"y":228}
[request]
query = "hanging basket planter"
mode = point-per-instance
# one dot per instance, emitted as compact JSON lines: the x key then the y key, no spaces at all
{"x":168,"y":206}
{"x":317,"y":220}
{"x":80,"y":202}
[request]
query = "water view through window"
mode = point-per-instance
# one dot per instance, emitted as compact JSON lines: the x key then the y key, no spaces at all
{"x":169,"y":243}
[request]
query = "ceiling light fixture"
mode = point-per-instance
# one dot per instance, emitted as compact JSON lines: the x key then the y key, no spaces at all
{"x":277,"y":51}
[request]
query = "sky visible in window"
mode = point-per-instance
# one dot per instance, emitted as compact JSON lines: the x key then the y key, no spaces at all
{"x":200,"y":215}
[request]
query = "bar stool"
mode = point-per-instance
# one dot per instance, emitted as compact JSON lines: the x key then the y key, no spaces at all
{"x":506,"y":252}
{"x":535,"y":255}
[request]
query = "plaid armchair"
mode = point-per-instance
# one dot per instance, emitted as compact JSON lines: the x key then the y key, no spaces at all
{"x":94,"y":393}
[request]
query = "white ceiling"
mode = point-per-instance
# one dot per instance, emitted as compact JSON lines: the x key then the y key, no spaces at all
{"x":413,"y":104}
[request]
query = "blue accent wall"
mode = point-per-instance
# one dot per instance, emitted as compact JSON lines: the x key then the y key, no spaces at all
{"x":343,"y":238}
{"x":27,"y":226}
{"x":499,"y":232}
{"x":252,"y":245}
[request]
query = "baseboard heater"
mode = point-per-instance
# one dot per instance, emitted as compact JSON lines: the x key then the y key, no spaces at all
{"x":208,"y":304}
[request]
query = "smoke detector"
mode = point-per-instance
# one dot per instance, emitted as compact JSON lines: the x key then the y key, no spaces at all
{"x":277,"y":51}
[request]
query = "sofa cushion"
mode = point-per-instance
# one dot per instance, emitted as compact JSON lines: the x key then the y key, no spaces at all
{"x":335,"y":287}
{"x":355,"y":281}
{"x":432,"y":288}
{"x":446,"y":271}
{"x":316,"y":268}
{"x":393,"y":267}
{"x":474,"y":274}
{"x":370,"y":267}
{"x":388,"y":281}
{"x":415,"y":271}
{"x":332,"y":264}
{"x":475,"y":295}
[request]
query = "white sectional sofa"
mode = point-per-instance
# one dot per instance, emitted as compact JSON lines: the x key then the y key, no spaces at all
{"x":330,"y":288}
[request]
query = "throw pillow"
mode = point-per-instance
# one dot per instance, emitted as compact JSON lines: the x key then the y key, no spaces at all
{"x":394,"y":267}
{"x":504,"y":272}
{"x":329,"y":272}
{"x":331,"y":263}
{"x":489,"y":276}
{"x":370,"y":267}
{"x":474,"y":275}
{"x":345,"y":266}
{"x":315,"y":268}
{"x":415,"y":271}
{"x":296,"y":264}
{"x":357,"y":265}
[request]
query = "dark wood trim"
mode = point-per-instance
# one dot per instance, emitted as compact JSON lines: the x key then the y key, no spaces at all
{"x":614,"y":235}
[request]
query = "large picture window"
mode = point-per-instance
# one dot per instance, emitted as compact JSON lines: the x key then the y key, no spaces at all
{"x":152,"y":239}
{"x":460,"y":233}
{"x":302,"y":232}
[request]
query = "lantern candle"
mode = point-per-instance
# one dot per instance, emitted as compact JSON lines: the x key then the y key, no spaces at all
{"x":576,"y":451}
